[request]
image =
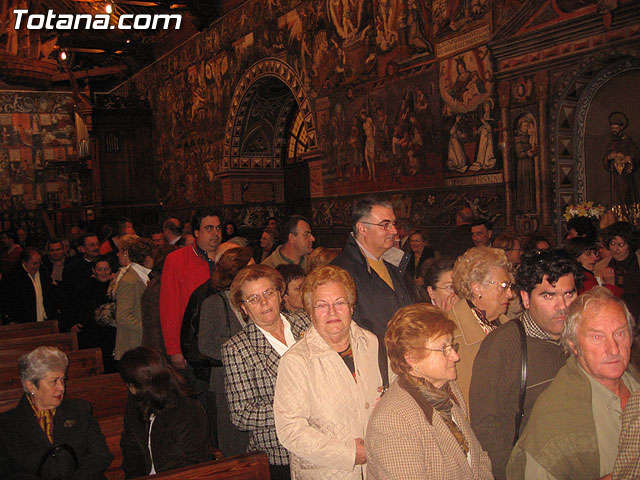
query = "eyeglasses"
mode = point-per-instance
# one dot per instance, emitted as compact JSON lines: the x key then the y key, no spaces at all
{"x":305,"y":234}
{"x":267,"y":294}
{"x":211,"y":228}
{"x":446,"y":349}
{"x":446,"y":288}
{"x":386,"y":224}
{"x":502,"y":285}
{"x":617,"y":244}
{"x":325,"y":307}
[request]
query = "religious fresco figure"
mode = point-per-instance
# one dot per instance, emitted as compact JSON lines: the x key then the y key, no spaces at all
{"x":485,"y":157}
{"x":416,"y":25}
{"x":526,"y":151}
{"x":369,"y":130}
{"x":387,"y":13}
{"x":456,"y":158}
{"x":621,"y":160}
{"x":346,"y":17}
{"x":466,"y":80}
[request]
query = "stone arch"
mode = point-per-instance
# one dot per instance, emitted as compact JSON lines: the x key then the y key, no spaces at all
{"x":242,"y":95}
{"x":568,"y":115}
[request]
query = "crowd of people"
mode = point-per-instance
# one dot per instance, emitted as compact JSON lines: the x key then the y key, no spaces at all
{"x":478,"y":357}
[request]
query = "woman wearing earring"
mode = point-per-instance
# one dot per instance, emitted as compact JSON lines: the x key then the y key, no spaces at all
{"x":482,"y":279}
{"x":48,"y":436}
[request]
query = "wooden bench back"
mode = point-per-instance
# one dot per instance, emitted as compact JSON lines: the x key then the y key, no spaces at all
{"x":82,"y":363}
{"x":30,"y":329}
{"x":12,"y":349}
{"x":107,"y":394}
{"x":248,"y":466}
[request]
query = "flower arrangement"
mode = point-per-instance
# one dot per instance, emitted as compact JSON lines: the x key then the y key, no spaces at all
{"x":584,"y":209}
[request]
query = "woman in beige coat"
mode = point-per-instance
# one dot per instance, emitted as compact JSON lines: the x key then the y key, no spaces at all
{"x":327,"y":384}
{"x":419,"y":430}
{"x":482,"y":279}
{"x":135,"y":254}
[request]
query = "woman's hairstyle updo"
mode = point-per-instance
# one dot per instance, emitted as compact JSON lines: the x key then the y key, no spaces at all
{"x":228,"y":266}
{"x":410,"y":329}
{"x":473,"y":267}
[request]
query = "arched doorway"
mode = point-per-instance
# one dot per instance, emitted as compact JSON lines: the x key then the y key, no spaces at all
{"x":270,"y":129}
{"x":571,"y":136}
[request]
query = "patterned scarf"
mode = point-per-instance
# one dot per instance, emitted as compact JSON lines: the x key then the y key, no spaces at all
{"x":440,"y":400}
{"x":481,"y":316}
{"x":45,"y":419}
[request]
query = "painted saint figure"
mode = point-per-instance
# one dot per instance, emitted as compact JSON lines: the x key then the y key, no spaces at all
{"x":456,"y":158}
{"x":526,"y":149}
{"x":621,"y":161}
{"x":485,"y":158}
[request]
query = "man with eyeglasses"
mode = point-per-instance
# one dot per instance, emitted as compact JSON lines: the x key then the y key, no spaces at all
{"x":184,"y":270}
{"x":620,"y":239}
{"x":375,"y":265}
{"x":548,"y":283}
{"x":298,"y":245}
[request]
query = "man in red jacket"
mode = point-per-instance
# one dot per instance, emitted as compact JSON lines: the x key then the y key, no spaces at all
{"x":184,"y":270}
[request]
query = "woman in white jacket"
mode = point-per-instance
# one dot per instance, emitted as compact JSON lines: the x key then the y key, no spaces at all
{"x":328,"y":383}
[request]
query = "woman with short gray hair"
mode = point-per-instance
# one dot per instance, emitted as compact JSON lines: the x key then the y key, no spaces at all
{"x":47,"y":436}
{"x":482,"y":279}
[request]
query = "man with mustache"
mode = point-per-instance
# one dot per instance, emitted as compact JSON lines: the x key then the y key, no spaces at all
{"x":575,"y":424}
{"x":547,"y":282}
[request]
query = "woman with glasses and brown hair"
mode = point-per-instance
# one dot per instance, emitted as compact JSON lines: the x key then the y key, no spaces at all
{"x":482,"y":279}
{"x":251,"y":357}
{"x":420,"y":427}
{"x":328,"y":383}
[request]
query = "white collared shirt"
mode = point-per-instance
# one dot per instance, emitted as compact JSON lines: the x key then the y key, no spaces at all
{"x":41,"y":313}
{"x":277,"y":345}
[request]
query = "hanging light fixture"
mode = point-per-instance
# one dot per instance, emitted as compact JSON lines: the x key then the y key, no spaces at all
{"x":109,"y":9}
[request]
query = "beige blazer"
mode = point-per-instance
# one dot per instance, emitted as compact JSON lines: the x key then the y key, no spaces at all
{"x":470,"y":335}
{"x":407,"y":440}
{"x":128,"y":313}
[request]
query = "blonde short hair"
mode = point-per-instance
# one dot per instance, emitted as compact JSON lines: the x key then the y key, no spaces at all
{"x":326,"y":274}
{"x":473,"y":267}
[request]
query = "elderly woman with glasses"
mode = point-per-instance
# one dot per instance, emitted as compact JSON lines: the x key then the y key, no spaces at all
{"x":482,"y":279}
{"x":48,"y":436}
{"x":251,"y":357}
{"x":328,"y":383}
{"x":419,"y":429}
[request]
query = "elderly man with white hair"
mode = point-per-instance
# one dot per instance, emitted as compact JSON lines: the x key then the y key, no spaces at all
{"x":575,"y":424}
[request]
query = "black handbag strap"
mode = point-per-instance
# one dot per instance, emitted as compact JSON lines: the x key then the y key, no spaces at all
{"x":383,"y":365}
{"x":523,"y":378}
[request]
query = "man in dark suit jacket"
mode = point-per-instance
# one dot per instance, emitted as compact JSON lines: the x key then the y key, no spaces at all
{"x":27,"y":291}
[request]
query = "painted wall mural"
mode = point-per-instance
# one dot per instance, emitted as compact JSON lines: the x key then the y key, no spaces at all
{"x":403,"y":93}
{"x":38,"y":165}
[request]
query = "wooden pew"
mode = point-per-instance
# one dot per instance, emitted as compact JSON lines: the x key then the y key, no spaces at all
{"x":30,"y":329}
{"x":82,"y":363}
{"x":248,"y":466}
{"x":11,"y":349}
{"x":107,"y":394}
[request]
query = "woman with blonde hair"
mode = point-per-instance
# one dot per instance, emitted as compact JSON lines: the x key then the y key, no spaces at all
{"x":328,"y":383}
{"x":420,"y":427}
{"x":482,"y":279}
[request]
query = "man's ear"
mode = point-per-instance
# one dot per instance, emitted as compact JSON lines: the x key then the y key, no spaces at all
{"x":360,"y":228}
{"x":526,"y":300}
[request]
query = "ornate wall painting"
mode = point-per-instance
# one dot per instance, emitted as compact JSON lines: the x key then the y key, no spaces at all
{"x":470,"y":119}
{"x":36,"y":143}
{"x":388,"y":139}
{"x":455,"y":17}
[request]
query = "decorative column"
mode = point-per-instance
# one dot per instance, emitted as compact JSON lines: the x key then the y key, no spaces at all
{"x":543,"y":176}
{"x":504,"y":93}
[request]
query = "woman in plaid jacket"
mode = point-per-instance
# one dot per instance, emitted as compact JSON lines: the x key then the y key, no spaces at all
{"x":251,"y":359}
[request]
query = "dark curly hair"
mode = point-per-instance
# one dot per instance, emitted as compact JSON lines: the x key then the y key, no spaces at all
{"x":554,"y":263}
{"x":625,"y":231}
